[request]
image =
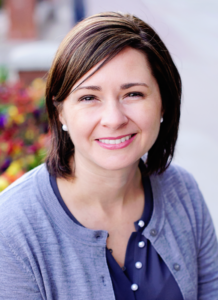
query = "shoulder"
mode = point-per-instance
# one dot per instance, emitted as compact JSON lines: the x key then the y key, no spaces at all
{"x":183,"y":200}
{"x":177,"y":181}
{"x":181,"y":197}
{"x":24,"y":188}
{"x":22,"y":200}
{"x":190,"y":220}
{"x":176,"y":175}
{"x":25,"y":180}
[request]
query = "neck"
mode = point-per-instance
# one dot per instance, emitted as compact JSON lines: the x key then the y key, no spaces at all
{"x":102,"y":188}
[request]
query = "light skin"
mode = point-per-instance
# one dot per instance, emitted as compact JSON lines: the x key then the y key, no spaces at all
{"x":120,"y":101}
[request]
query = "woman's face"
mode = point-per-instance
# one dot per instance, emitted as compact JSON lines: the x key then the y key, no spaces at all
{"x":113,"y":118}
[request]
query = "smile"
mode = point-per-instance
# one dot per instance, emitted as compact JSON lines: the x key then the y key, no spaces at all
{"x":115,"y":141}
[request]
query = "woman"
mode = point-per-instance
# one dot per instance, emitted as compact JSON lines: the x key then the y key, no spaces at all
{"x":97,"y":222}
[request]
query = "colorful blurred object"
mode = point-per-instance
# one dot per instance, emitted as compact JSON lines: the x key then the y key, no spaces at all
{"x":24,"y":135}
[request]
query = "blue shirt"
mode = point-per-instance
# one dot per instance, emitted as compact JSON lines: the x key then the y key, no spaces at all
{"x":144,"y":273}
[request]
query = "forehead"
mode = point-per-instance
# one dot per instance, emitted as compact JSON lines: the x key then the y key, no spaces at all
{"x":128,"y":64}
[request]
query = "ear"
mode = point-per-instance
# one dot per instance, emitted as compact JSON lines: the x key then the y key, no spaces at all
{"x":162,"y":112}
{"x":61,"y":118}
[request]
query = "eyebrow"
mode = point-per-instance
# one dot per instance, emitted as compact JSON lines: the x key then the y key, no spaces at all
{"x":129,"y":85}
{"x":90,"y":87}
{"x":98,"y":88}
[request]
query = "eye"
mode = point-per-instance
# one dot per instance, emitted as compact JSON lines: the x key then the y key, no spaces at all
{"x":87,"y":98}
{"x":134,"y":95}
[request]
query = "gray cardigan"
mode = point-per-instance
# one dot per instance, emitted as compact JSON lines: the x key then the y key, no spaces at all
{"x":45,"y":255}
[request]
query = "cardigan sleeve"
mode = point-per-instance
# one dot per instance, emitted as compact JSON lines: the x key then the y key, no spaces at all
{"x":207,"y":259}
{"x":17,"y":282}
{"x":206,"y":241}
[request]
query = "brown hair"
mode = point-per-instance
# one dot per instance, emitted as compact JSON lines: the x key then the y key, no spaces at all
{"x":100,"y":38}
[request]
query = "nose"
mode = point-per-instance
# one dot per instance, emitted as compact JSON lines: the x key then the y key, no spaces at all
{"x":113,"y":116}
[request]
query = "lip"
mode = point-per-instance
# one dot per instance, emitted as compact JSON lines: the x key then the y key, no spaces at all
{"x":116,"y":146}
{"x":115,"y":138}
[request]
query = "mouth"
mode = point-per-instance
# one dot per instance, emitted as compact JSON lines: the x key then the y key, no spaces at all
{"x":116,"y":141}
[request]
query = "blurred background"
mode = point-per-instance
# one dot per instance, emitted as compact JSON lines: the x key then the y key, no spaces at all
{"x":30,"y":32}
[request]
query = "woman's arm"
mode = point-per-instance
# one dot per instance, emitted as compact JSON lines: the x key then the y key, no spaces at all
{"x":206,"y":241}
{"x":17,"y":282}
{"x":207,"y":259}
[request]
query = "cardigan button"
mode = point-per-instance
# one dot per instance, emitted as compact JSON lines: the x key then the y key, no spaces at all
{"x":141,"y":244}
{"x":176,"y":267}
{"x":153,"y":232}
{"x":134,"y":287}
{"x":141,"y":223}
{"x":138,"y":265}
{"x":98,"y":235}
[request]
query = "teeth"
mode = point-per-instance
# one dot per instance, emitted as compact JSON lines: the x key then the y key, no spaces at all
{"x":117,"y":141}
{"x":112,"y":142}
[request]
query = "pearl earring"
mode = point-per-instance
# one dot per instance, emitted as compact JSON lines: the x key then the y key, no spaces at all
{"x":161,"y":120}
{"x":144,"y":157}
{"x":64,"y":127}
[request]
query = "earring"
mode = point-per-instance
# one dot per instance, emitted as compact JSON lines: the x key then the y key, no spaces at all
{"x":161,"y":120}
{"x":144,"y":157}
{"x":64,"y":127}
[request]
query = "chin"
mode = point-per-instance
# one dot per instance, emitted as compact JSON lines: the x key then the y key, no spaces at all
{"x":118,"y":163}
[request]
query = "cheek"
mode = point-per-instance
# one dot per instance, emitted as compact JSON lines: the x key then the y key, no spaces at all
{"x":149,"y":123}
{"x":80,"y":126}
{"x":151,"y":129}
{"x":148,"y":116}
